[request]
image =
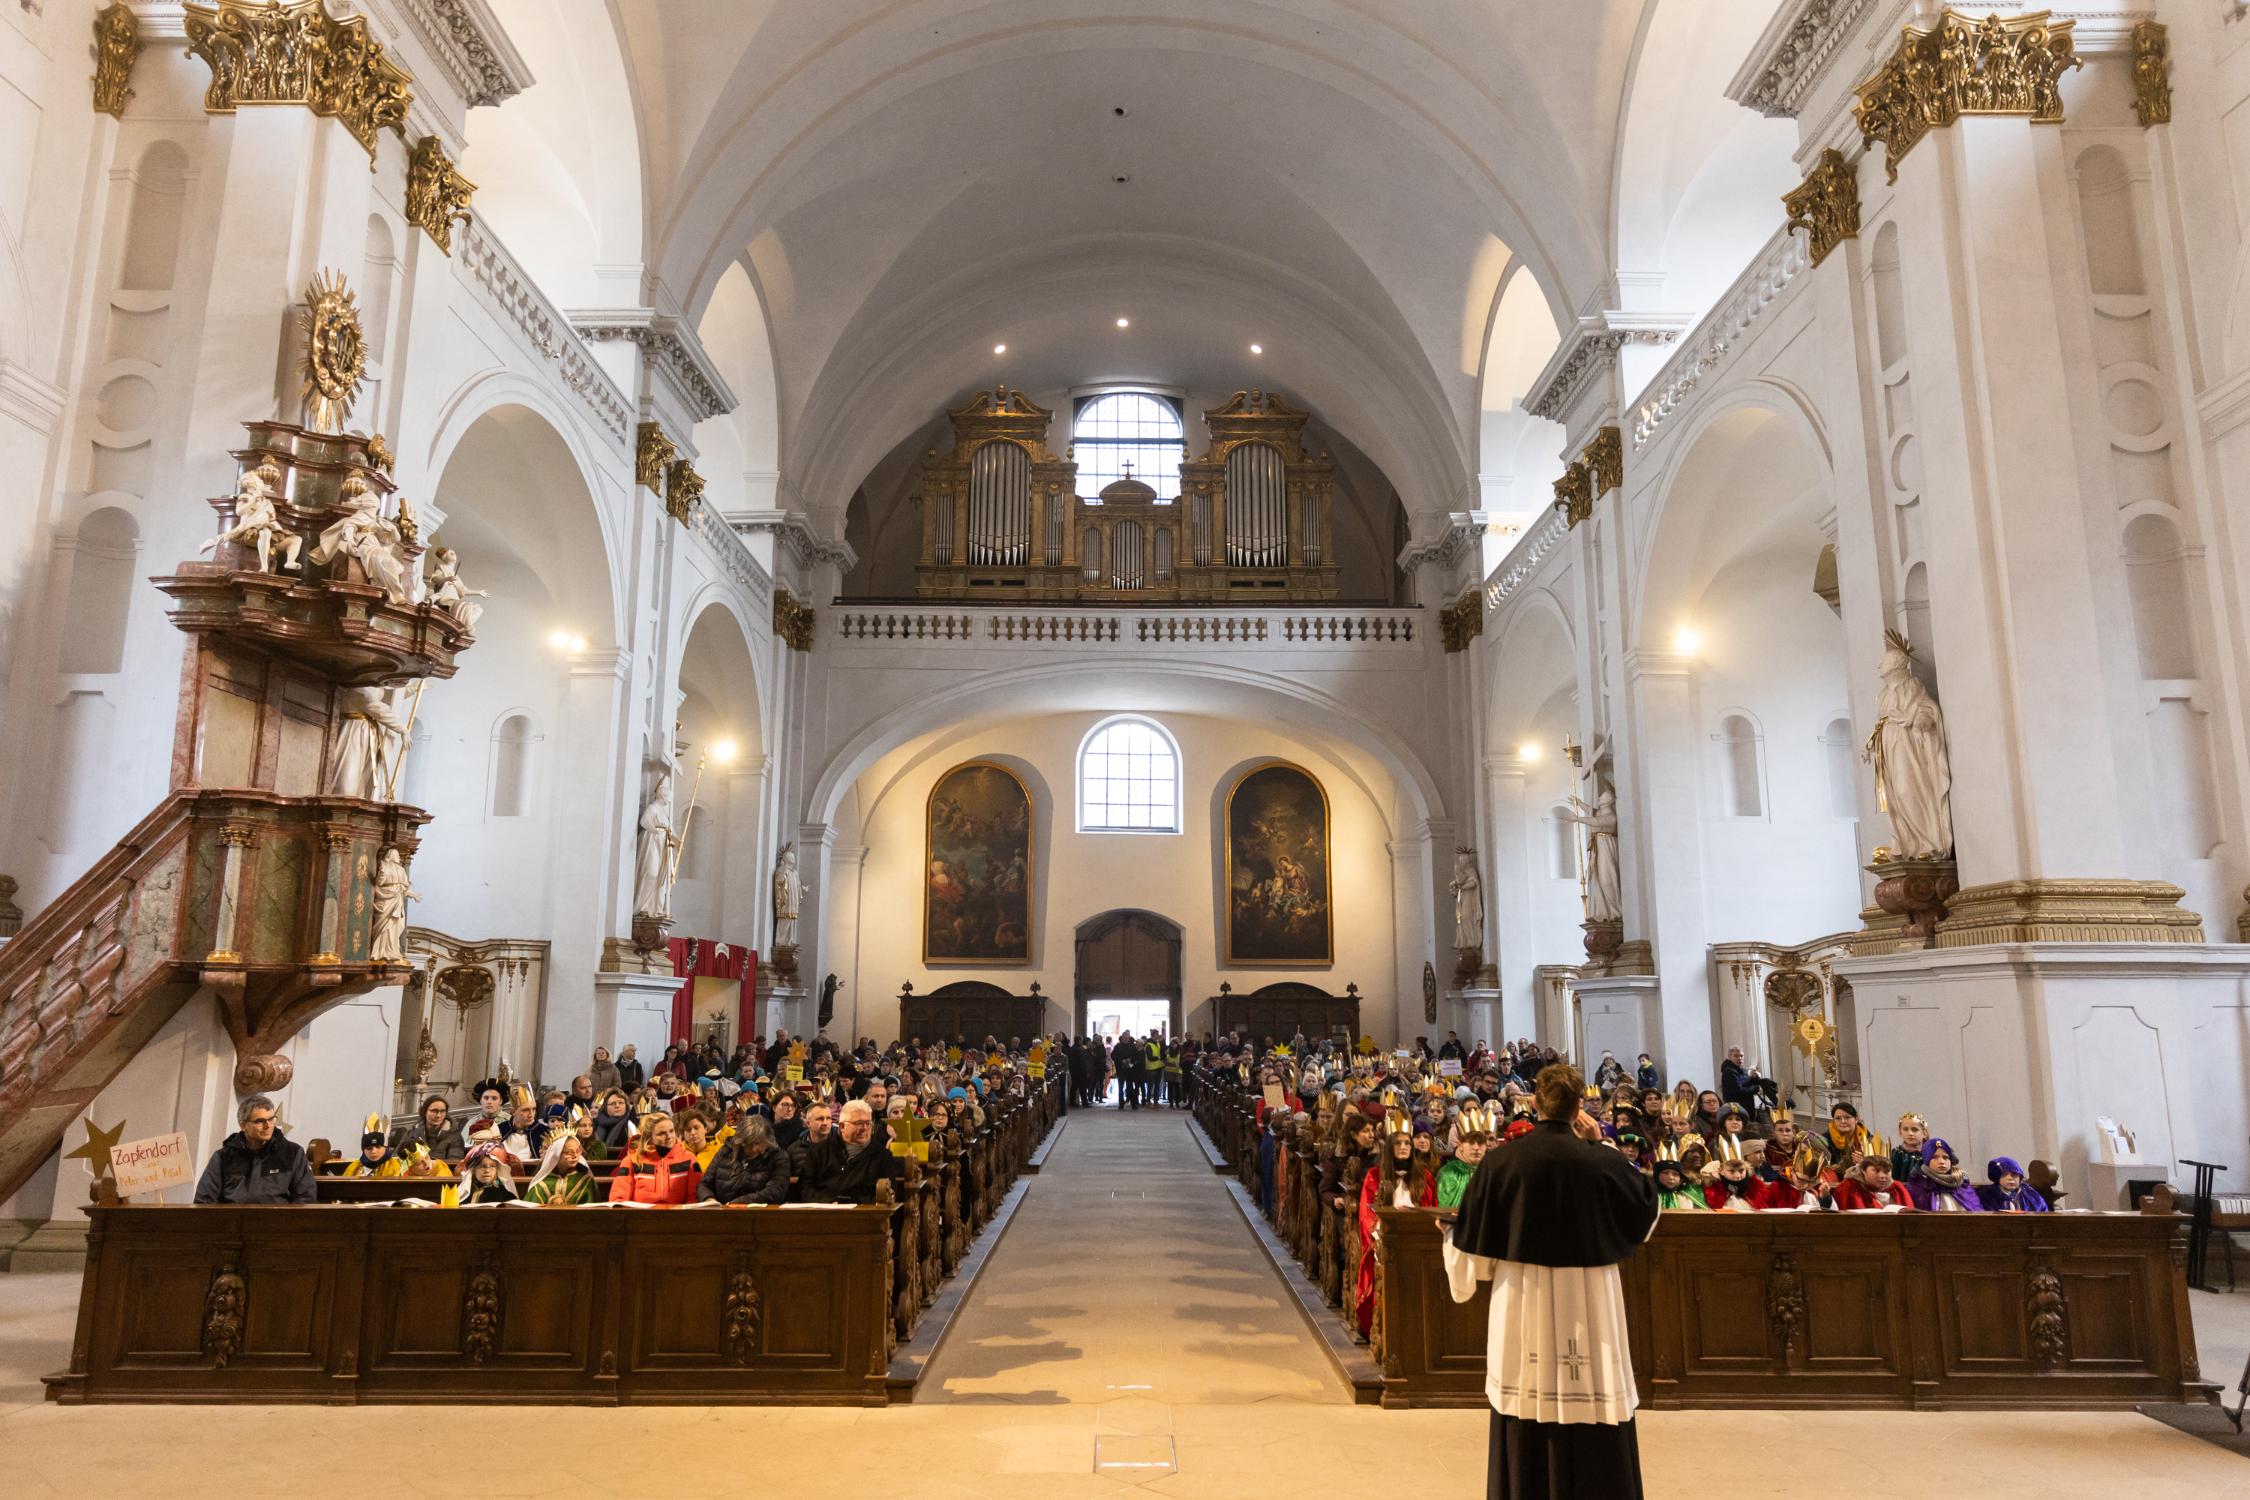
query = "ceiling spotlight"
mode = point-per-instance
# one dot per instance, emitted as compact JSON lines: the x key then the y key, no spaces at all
{"x":999,"y":348}
{"x":1257,"y":348}
{"x":1124,"y":322}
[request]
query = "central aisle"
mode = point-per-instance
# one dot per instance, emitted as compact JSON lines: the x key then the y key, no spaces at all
{"x":1127,"y":1272}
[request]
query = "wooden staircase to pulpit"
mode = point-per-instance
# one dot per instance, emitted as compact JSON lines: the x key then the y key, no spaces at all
{"x":250,"y":877}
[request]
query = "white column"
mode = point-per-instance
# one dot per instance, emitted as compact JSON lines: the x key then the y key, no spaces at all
{"x":1510,"y":935}
{"x":1661,"y":849}
{"x":595,"y":812}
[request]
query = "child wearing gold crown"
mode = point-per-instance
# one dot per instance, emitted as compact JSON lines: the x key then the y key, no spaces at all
{"x":375,"y":1158}
{"x":1473,"y":1128}
{"x":1673,"y":1189}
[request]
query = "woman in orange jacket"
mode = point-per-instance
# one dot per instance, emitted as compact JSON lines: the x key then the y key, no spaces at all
{"x":659,"y":1170}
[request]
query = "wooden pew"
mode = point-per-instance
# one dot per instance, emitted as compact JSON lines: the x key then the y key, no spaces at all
{"x":1936,"y":1311}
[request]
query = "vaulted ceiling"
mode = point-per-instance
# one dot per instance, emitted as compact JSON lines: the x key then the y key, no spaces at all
{"x":1347,"y":182}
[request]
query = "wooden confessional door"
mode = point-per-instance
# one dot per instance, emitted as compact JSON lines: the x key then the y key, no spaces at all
{"x":1128,"y":955}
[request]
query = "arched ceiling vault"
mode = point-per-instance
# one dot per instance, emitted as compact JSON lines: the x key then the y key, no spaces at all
{"x":1359,"y":159}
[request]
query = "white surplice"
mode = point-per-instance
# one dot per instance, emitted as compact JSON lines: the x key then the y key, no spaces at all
{"x":1555,"y":1350}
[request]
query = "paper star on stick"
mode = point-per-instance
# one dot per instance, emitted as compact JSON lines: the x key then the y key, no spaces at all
{"x":99,"y":1143}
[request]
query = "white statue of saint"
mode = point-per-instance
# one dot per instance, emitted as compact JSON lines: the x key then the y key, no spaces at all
{"x":787,"y":893}
{"x":652,"y":869}
{"x":366,"y":536}
{"x":443,"y":587}
{"x":386,"y":941}
{"x":1468,"y":902}
{"x":369,"y":738}
{"x":1600,"y":822}
{"x":257,"y":522}
{"x":1913,"y":781}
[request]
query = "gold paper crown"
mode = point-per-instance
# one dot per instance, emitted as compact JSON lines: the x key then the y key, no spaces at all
{"x":1474,"y":1119}
{"x":1911,"y":1118}
{"x":1806,"y":1163}
{"x":1730,"y":1148}
{"x":1396,"y":1123}
{"x":1668,"y":1151}
{"x":375,"y":1123}
{"x":1784,"y":1115}
{"x":520,"y":1098}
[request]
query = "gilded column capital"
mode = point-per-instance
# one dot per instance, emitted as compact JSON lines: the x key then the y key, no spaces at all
{"x":1462,"y":621}
{"x":793,"y":622}
{"x":1604,"y":459}
{"x":683,"y":491}
{"x":117,"y":44}
{"x":1826,"y":204}
{"x":653,"y":453}
{"x":1965,"y":65}
{"x":436,"y":192}
{"x":2152,"y":73}
{"x":1574,"y":494}
{"x":296,"y":53}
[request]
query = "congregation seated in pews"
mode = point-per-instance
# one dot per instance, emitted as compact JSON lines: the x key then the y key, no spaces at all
{"x":1337,"y":1132}
{"x":772,"y":1123}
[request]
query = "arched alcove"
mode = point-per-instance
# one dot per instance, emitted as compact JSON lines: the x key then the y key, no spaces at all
{"x":156,"y":203}
{"x":103,"y":557}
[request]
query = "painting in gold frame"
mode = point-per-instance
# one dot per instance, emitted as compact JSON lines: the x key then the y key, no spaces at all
{"x":1278,"y":907}
{"x":976,"y":868}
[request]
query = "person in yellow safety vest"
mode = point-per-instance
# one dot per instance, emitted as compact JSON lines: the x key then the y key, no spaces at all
{"x":1154,"y":1068}
{"x":1174,"y":1094}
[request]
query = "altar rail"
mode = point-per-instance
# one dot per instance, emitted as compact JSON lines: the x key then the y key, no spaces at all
{"x":2018,"y":1311}
{"x":793,"y":1305}
{"x":1249,"y":629}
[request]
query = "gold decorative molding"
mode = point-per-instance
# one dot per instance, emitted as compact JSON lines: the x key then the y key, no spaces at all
{"x":1574,"y":494}
{"x":1965,"y":66}
{"x":1604,"y":459}
{"x":1462,"y":621}
{"x":296,"y":53}
{"x":1826,"y":204}
{"x":335,"y":356}
{"x":652,"y":455}
{"x":793,"y":620}
{"x":436,"y":192}
{"x":683,"y":491}
{"x":2152,"y":73}
{"x":117,"y":44}
{"x":2068,"y":911}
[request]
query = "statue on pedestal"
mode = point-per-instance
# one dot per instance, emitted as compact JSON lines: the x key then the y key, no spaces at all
{"x":788,"y":894}
{"x":1603,"y":901}
{"x":369,"y":739}
{"x":256,"y":522}
{"x":442,"y":587}
{"x":652,"y":887}
{"x":386,"y":942}
{"x":1468,"y":916}
{"x":1913,"y":782}
{"x":365,"y":536}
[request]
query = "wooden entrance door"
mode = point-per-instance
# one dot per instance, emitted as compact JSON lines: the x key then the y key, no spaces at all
{"x":1128,"y":955}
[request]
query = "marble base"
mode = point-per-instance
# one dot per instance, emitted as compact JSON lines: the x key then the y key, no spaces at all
{"x":2016,"y":1049}
{"x":57,"y":1245}
{"x":1620,"y":1013}
{"x":623,"y":956}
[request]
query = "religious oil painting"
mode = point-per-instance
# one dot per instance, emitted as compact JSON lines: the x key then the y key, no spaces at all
{"x":976,"y":893}
{"x":1277,"y":869}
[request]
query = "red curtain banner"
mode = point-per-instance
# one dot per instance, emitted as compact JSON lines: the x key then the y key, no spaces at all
{"x":700,"y":958}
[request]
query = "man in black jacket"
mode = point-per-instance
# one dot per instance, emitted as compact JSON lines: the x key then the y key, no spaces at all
{"x":749,"y":1168}
{"x":846,"y":1167}
{"x":257,"y":1164}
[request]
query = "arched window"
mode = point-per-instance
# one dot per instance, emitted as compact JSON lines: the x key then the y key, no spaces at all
{"x":1741,"y":782}
{"x":1128,"y":778}
{"x":1836,"y":744}
{"x":1129,"y":427}
{"x":512,"y":740}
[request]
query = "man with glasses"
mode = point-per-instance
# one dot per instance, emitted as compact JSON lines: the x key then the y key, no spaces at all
{"x":258,"y":1164}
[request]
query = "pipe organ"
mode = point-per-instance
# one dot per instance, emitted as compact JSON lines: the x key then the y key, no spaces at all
{"x":1002,"y":519}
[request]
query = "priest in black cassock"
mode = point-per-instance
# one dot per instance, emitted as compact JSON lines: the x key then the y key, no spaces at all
{"x":1546,"y":1219}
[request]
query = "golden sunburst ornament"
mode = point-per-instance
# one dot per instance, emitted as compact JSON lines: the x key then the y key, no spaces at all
{"x":335,"y":351}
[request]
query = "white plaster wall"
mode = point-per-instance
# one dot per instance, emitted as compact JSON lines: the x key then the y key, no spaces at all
{"x":1079,"y":876}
